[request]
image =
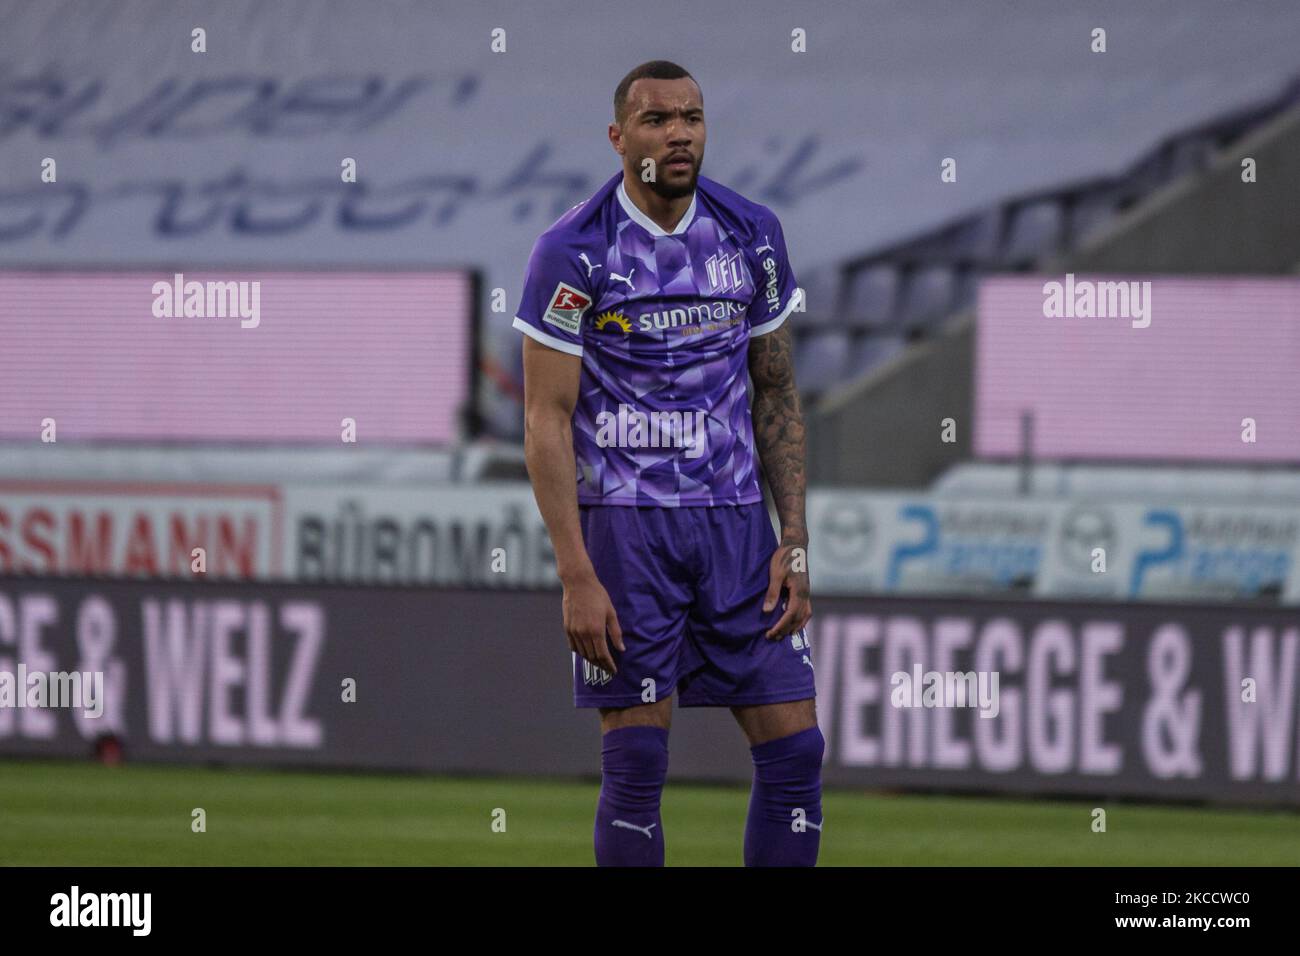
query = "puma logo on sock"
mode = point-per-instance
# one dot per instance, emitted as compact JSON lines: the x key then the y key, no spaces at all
{"x":633,"y":826}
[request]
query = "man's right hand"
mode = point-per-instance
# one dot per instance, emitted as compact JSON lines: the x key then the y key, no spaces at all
{"x":551,"y":381}
{"x":588,"y":616}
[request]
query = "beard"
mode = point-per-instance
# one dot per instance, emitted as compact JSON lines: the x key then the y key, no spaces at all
{"x":676,"y":190}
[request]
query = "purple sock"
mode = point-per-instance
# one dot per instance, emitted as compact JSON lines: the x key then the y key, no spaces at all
{"x":784,"y":825}
{"x":633,"y":767}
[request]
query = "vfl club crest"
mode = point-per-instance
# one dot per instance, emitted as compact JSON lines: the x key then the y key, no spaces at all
{"x":726,"y":274}
{"x":595,"y":675}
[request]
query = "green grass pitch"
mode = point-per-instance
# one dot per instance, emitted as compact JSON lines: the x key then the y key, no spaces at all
{"x":83,"y":814}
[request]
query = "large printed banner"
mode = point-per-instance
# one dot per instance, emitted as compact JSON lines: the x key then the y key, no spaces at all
{"x":140,"y":529}
{"x":1104,"y":700}
{"x":379,"y":534}
{"x":1113,"y":699}
{"x":494,"y":537}
{"x":1069,"y":548}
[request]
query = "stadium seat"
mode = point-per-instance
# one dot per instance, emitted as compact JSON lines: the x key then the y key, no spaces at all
{"x":819,"y":359}
{"x":870,"y":350}
{"x":977,"y":237}
{"x":1034,"y":230}
{"x":873,"y":292}
{"x":1093,"y":211}
{"x":1190,"y":154}
{"x":1150,"y":172}
{"x":965,"y":288}
{"x":927,"y":295}
{"x":821,"y":290}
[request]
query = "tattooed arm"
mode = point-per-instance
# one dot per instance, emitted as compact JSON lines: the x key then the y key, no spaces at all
{"x":779,"y":437}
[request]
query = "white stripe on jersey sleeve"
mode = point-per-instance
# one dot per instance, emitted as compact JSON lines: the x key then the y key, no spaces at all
{"x":773,"y":324}
{"x":551,"y":340}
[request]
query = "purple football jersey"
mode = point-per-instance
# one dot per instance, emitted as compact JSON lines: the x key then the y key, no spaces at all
{"x":662,"y":321}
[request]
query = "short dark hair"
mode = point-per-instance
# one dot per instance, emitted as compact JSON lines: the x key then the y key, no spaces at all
{"x":650,"y":70}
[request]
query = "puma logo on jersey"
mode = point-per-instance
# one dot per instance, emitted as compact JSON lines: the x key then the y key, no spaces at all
{"x":627,"y":278}
{"x":766,"y":245}
{"x":587,"y":262}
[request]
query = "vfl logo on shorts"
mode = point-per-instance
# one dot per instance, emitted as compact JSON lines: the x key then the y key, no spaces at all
{"x":594,"y":675}
{"x":799,"y":641}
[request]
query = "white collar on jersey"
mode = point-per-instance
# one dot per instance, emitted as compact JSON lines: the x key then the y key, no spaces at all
{"x":650,"y":226}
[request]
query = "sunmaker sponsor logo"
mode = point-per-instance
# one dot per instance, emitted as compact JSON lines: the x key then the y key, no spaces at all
{"x":695,"y":314}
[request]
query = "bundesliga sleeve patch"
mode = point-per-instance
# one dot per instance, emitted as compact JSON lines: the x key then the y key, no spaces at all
{"x":566,"y":308}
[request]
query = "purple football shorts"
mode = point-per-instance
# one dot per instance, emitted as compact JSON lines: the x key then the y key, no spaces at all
{"x":688,"y":586}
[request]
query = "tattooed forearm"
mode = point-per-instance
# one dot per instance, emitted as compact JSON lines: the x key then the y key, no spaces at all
{"x":779,"y":430}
